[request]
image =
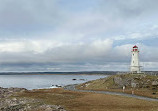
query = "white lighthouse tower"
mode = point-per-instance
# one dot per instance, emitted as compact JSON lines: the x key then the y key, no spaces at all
{"x":135,"y":67}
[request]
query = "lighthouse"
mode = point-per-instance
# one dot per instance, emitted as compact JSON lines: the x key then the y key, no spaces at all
{"x":135,"y":67}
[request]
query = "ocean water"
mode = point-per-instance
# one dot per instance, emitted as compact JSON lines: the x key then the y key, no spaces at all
{"x":44,"y":81}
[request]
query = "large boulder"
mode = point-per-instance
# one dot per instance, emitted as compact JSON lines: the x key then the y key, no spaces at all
{"x":154,"y":83}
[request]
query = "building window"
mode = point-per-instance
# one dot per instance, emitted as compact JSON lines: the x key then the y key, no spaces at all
{"x":133,"y":61}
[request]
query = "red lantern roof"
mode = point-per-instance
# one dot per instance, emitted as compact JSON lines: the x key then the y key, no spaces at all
{"x":135,"y":46}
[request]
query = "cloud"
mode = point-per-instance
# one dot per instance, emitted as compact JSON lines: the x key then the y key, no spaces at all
{"x":76,"y":35}
{"x":52,"y":51}
{"x":28,"y":16}
{"x":98,"y":55}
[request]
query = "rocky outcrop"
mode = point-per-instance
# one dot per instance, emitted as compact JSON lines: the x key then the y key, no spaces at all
{"x":154,"y":83}
{"x":6,"y":92}
{"x":121,"y":81}
{"x":27,"y":105}
{"x":9,"y":102}
{"x":139,"y":81}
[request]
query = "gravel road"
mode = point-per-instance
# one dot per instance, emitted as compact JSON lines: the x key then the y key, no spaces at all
{"x":72,"y":88}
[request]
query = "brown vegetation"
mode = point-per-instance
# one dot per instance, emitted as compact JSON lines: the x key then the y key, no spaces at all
{"x":79,"y":101}
{"x":143,"y":85}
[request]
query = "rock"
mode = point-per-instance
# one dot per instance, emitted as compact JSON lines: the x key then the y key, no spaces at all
{"x":137,"y":78}
{"x":82,"y":79}
{"x":133,"y":85}
{"x":23,"y":104}
{"x":6,"y":92}
{"x":154,"y":83}
{"x":86,"y":85}
{"x":118,"y":81}
{"x":51,"y":108}
{"x":58,"y":86}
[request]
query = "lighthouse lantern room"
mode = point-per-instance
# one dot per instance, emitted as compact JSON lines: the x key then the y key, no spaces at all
{"x":135,"y":67}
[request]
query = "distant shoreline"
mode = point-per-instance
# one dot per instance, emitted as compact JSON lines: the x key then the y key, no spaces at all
{"x":74,"y":73}
{"x":62,"y":73}
{"x":56,"y":74}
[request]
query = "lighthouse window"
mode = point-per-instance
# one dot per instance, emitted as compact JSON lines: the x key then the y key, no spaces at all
{"x":133,"y":54}
{"x":133,"y":61}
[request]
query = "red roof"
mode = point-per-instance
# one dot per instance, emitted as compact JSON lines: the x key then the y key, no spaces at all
{"x":135,"y":46}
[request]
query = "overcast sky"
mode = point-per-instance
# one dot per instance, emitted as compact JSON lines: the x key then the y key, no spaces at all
{"x":77,"y":35}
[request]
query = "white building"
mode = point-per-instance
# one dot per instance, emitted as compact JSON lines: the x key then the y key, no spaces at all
{"x":135,"y":67}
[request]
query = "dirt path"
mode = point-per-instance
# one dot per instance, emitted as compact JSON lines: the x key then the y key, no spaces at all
{"x":72,"y":88}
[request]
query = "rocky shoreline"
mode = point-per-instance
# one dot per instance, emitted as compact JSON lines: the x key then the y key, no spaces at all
{"x":9,"y":101}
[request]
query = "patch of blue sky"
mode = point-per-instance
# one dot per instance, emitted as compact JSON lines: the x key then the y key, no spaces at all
{"x":147,"y":42}
{"x":151,"y":42}
{"x":78,"y":5}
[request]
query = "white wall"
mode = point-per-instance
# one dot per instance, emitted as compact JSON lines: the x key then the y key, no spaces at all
{"x":135,"y":67}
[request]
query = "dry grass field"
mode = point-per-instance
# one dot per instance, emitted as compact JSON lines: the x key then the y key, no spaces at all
{"x":144,"y":84}
{"x":79,"y":101}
